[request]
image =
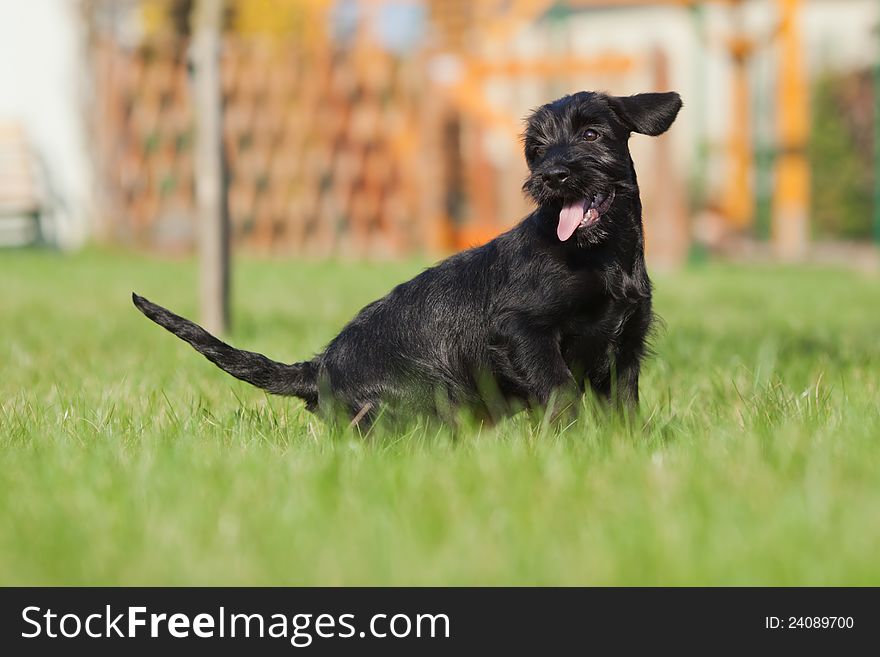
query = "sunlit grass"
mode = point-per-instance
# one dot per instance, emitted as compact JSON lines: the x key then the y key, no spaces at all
{"x":126,"y":458}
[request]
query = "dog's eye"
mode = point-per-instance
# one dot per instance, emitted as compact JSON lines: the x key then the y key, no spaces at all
{"x":591,"y":135}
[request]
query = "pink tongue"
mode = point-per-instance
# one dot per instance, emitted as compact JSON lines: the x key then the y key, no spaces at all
{"x":569,"y":219}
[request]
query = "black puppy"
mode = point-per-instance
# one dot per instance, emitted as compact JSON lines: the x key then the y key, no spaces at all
{"x":559,"y":302}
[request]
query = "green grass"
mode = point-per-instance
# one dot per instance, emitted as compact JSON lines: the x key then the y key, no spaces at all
{"x":126,"y":458}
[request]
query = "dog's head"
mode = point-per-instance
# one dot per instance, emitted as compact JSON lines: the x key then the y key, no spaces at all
{"x":578,"y":156}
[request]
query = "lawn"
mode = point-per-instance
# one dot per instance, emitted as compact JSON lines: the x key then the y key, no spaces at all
{"x":126,"y":458}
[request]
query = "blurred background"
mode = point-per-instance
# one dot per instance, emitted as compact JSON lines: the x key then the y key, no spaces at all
{"x":335,"y":147}
{"x":384,"y":128}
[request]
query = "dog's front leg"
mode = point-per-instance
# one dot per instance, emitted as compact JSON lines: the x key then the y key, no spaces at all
{"x":626,"y":384}
{"x":628,"y":355}
{"x":614,"y":377}
{"x":531,"y":361}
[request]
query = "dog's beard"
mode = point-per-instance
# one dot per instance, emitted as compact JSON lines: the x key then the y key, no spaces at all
{"x":584,"y":214}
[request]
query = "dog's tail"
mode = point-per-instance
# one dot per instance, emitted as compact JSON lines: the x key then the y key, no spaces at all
{"x":297,"y":380}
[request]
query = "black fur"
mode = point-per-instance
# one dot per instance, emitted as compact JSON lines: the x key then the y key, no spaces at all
{"x":510,"y":323}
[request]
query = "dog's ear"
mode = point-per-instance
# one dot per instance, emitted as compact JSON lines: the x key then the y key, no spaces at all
{"x":648,"y":114}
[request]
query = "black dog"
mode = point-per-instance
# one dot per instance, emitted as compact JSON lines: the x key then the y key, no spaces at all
{"x":559,"y":302}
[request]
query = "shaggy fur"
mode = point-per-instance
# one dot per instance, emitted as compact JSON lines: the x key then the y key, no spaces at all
{"x":513,"y":323}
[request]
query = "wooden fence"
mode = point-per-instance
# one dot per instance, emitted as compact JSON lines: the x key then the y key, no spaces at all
{"x":320,"y":147}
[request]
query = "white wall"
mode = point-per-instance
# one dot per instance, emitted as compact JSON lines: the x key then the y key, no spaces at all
{"x":40,"y":78}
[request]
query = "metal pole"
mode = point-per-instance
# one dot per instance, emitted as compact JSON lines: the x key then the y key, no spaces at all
{"x":877,"y":139}
{"x":698,"y":109}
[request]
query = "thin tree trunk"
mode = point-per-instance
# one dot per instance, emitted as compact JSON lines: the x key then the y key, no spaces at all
{"x":213,"y":221}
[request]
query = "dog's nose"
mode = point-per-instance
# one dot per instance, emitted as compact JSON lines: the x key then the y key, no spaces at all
{"x":557,"y":175}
